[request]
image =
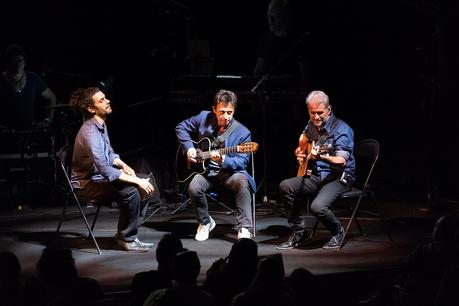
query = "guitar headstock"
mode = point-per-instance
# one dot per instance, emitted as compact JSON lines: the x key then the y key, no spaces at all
{"x":247,"y":147}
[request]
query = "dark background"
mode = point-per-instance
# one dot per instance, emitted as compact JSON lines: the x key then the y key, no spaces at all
{"x":389,"y":67}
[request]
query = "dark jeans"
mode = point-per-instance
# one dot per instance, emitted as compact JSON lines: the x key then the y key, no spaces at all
{"x":235,"y":182}
{"x":129,"y":198}
{"x":293,"y":193}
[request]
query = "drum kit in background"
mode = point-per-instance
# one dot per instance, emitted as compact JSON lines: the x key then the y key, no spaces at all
{"x":28,"y":165}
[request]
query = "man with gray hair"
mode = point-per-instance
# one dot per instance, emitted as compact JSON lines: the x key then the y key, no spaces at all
{"x":326,"y":168}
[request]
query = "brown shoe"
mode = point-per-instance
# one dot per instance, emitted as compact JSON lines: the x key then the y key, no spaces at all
{"x":134,"y":246}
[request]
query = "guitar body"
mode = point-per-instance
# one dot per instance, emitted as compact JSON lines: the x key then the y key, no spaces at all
{"x":185,"y":170}
{"x":306,"y":146}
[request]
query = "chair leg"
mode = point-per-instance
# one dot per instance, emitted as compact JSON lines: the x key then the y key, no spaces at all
{"x":314,"y":229}
{"x":181,"y":206}
{"x":91,"y":234}
{"x":356,"y":207}
{"x":254,"y":225}
{"x":152,"y":213}
{"x":213,"y":198}
{"x":95,"y":217}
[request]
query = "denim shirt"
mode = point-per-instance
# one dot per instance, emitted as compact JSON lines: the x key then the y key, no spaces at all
{"x":93,"y":155}
{"x":340,"y":136}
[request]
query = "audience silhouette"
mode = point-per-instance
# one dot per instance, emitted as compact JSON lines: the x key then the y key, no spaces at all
{"x":268,"y":286}
{"x":10,"y":279}
{"x":447,"y":291}
{"x":184,"y":290}
{"x":233,"y":274}
{"x":303,"y":283}
{"x":58,"y":282}
{"x":425,"y":265}
{"x":145,"y":283}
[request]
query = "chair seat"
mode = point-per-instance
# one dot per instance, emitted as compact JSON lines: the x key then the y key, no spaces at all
{"x":356,"y":192}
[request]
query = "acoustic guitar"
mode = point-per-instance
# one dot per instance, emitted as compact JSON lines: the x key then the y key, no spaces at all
{"x":185,"y":169}
{"x":306,"y":145}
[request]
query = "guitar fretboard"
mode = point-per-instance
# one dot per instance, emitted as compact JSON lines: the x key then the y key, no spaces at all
{"x":206,"y":154}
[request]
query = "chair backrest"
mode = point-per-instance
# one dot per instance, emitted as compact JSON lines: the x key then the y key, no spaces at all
{"x":65,"y":155}
{"x":366,"y":153}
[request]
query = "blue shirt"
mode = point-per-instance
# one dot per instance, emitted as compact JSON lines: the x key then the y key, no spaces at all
{"x":340,"y":136}
{"x":93,"y":155}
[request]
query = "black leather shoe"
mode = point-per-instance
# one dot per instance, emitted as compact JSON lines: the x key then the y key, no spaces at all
{"x":144,"y":244}
{"x":131,"y":246}
{"x":296,"y":238}
{"x":335,"y":240}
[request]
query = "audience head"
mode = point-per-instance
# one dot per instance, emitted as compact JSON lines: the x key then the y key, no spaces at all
{"x":10,"y":268}
{"x":56,"y":264}
{"x":301,"y":279}
{"x":446,"y":231}
{"x":244,"y":252}
{"x":186,"y":267}
{"x":270,"y":274}
{"x":167,"y":248}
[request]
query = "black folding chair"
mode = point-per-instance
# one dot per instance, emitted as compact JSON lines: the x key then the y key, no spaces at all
{"x":64,"y":156}
{"x":366,"y":153}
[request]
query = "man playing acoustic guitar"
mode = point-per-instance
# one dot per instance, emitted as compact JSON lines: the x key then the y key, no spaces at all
{"x":326,"y":168}
{"x":225,"y":169}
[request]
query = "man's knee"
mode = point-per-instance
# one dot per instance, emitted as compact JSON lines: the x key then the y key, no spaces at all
{"x":195,"y":190}
{"x":284,"y":187}
{"x":132,"y":193}
{"x":317,"y":208}
{"x":240,"y":183}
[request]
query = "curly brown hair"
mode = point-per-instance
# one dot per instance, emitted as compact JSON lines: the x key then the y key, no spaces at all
{"x":81,"y":99}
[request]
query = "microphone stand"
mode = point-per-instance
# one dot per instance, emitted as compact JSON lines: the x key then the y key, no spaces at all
{"x":264,"y":100}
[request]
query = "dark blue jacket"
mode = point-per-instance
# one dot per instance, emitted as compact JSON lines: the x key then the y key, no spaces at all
{"x":205,"y":124}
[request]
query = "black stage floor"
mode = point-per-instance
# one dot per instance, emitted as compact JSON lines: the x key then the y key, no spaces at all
{"x":26,"y":232}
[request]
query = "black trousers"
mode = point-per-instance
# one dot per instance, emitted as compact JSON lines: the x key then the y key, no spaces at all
{"x":131,"y":204}
{"x":293,"y":192}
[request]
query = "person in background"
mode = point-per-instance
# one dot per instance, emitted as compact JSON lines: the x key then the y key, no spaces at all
{"x":25,"y":98}
{"x":281,"y":51}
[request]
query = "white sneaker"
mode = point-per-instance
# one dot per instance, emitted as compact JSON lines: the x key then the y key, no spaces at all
{"x":203,"y":230}
{"x":243,"y":233}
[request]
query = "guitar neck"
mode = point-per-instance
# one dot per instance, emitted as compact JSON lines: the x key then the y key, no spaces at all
{"x":206,"y":154}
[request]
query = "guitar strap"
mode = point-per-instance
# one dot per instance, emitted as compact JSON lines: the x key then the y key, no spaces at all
{"x":219,"y":142}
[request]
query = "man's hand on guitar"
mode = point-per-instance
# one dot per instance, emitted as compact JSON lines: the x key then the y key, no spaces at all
{"x":191,"y":155}
{"x":300,"y":155}
{"x":216,"y":157}
{"x":320,"y":153}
